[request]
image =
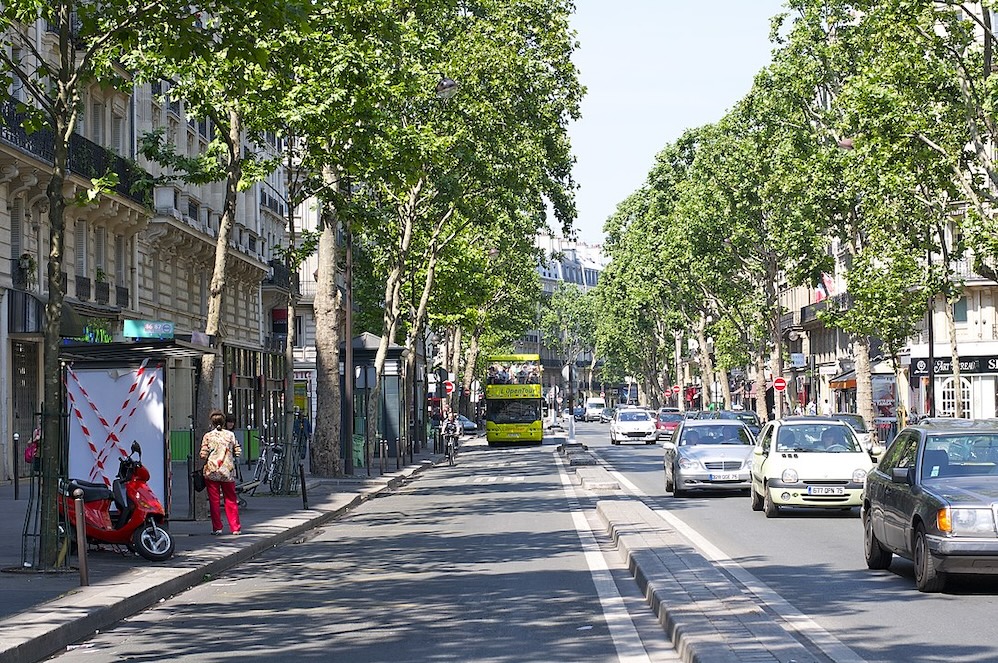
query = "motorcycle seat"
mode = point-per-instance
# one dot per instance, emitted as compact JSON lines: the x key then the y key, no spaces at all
{"x":92,"y":492}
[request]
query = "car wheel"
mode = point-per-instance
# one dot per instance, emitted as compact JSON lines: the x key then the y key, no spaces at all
{"x":877,"y":557}
{"x":927,"y":577}
{"x":768,"y":505}
{"x":669,"y":485}
{"x":756,"y":500}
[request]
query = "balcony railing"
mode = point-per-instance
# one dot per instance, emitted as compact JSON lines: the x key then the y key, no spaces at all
{"x":121,"y":297}
{"x":86,"y":158}
{"x":83,"y":288}
{"x":102,"y":292}
{"x":280,"y":275}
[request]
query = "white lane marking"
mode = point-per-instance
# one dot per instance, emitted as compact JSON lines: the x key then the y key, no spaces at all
{"x":763,"y":593}
{"x":625,"y":637}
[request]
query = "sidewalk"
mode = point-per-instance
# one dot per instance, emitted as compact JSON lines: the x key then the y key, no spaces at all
{"x":42,"y":613}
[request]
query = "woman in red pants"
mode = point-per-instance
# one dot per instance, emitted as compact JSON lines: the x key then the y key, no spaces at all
{"x":219,"y":449}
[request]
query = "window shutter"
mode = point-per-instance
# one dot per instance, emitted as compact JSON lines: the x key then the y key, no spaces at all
{"x":120,"y":260}
{"x":100,"y":246}
{"x":81,"y":248}
{"x":17,"y":228}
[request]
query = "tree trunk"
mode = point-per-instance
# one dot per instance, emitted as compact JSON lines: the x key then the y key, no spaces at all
{"x":209,"y":394}
{"x":328,"y":304}
{"x":455,"y":364}
{"x":761,"y":408}
{"x":706,"y":369}
{"x":468,"y":380}
{"x":722,"y":377}
{"x":958,"y":411}
{"x":864,"y":380}
{"x":50,"y":446}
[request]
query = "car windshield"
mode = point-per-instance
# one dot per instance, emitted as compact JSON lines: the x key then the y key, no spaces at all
{"x":696,"y":435}
{"x":667,"y":417}
{"x":960,"y":455}
{"x":748,"y":418}
{"x":856,"y":421}
{"x":634,"y":415}
{"x":817,"y":437}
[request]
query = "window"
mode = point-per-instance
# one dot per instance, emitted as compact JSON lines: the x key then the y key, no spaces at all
{"x":100,"y":246}
{"x":97,"y":122}
{"x":81,"y":247}
{"x":118,"y":135}
{"x":17,"y":85}
{"x":120,"y":260}
{"x":299,"y":331}
{"x":17,"y":228}
{"x":948,"y":397}
{"x":960,"y":310}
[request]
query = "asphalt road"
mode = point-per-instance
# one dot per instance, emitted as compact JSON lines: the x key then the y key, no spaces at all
{"x":814,"y":561}
{"x":490,"y":560}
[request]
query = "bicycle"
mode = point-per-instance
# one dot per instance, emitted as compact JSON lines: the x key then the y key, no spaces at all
{"x":270,"y":467}
{"x":451,"y":448}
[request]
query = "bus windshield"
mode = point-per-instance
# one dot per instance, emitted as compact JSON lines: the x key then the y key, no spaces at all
{"x":513,"y":411}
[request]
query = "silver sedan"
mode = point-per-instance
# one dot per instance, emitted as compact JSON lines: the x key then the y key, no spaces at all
{"x":713,"y":454}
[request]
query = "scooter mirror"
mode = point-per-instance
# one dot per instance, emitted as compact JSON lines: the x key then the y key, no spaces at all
{"x":136,"y":448}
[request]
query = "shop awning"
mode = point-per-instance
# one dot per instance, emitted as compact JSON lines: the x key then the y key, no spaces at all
{"x":26,"y":311}
{"x":845,"y":380}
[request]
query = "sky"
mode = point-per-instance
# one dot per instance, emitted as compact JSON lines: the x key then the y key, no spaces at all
{"x":652,"y":69}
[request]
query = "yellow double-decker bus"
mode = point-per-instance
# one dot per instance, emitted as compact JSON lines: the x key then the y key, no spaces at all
{"x":513,"y":399}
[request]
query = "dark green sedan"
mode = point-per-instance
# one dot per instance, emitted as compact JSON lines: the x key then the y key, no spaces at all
{"x":933,"y":499}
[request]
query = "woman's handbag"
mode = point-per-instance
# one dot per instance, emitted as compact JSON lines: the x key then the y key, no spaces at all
{"x":197,"y":479}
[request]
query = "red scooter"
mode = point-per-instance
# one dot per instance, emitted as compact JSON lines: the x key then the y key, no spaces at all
{"x":138,"y":519}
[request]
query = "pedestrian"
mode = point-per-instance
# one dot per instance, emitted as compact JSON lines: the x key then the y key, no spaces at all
{"x":812,"y":408}
{"x":826,"y":409}
{"x":219,"y":449}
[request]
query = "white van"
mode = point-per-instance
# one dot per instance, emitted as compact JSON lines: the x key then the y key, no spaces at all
{"x":594,"y":406}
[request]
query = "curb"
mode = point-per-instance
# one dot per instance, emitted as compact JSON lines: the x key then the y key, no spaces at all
{"x":115,"y":608}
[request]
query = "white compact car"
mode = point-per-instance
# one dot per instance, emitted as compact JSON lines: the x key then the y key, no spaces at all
{"x":814,"y":462}
{"x":633,"y":425}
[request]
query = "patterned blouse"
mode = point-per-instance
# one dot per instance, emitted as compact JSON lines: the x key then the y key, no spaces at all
{"x":220,"y":449}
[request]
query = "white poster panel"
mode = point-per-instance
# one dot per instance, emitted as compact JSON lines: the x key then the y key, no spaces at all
{"x":109,"y":408}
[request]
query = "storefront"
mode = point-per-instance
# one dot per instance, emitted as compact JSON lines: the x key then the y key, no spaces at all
{"x":977,"y":388}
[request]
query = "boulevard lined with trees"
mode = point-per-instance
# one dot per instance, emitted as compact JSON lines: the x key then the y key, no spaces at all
{"x":863,"y":152}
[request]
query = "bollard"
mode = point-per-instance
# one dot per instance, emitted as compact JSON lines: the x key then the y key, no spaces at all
{"x":398,"y":454}
{"x":17,"y":471}
{"x":304,"y":491}
{"x":81,"y":537}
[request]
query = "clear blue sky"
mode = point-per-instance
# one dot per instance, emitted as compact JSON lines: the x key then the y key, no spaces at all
{"x":654,"y":68}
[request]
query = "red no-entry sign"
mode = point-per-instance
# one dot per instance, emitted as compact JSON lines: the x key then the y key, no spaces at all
{"x":449,"y":386}
{"x":779,"y":384}
{"x":676,"y":389}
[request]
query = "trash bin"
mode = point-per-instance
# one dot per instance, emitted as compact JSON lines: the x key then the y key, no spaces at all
{"x":358,"y":451}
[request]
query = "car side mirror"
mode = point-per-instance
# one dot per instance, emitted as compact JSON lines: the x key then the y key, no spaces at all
{"x":669,"y":446}
{"x":875,"y":451}
{"x":901,"y":475}
{"x":759,"y":451}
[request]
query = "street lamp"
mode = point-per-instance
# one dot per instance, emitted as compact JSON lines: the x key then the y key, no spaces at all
{"x":446,"y":87}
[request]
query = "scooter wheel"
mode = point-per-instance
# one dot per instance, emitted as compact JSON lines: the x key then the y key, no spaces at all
{"x":153,"y":542}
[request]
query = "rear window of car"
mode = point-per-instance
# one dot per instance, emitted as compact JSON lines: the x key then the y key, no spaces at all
{"x":695,"y":435}
{"x":670,"y":416}
{"x":817,"y":437}
{"x":634,"y":415}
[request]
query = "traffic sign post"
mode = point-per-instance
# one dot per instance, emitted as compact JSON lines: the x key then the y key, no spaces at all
{"x":779,"y":384}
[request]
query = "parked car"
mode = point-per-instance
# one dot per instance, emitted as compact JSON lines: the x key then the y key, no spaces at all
{"x":708,"y":454}
{"x":467,"y":424}
{"x":932,"y":500}
{"x":666,"y":423}
{"x":605,"y":415}
{"x":632,"y":424}
{"x":858,"y":424}
{"x":814,"y":462}
{"x":593,"y":408}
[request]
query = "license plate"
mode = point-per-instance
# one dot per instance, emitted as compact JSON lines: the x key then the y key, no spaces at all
{"x":825,"y":490}
{"x":723,"y":477}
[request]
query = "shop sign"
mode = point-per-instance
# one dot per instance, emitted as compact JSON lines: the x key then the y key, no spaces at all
{"x":944,"y":365}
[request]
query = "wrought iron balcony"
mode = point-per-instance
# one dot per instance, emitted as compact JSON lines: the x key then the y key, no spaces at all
{"x":280,"y":275}
{"x":102,"y":292}
{"x":121,"y":297}
{"x":82,"y":288}
{"x":86,"y":158}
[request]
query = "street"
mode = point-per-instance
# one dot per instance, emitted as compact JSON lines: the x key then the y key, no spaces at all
{"x":497,"y":559}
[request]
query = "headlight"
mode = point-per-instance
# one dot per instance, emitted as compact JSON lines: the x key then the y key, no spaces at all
{"x":859,"y":476}
{"x":688,"y":463}
{"x":790,"y":476}
{"x":966,"y":522}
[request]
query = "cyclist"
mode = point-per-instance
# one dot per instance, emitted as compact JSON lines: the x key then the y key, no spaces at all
{"x":452,"y":429}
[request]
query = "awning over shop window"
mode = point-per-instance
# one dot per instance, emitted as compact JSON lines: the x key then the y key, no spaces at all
{"x":132,"y":352}
{"x":845,"y":380}
{"x":27,"y":315}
